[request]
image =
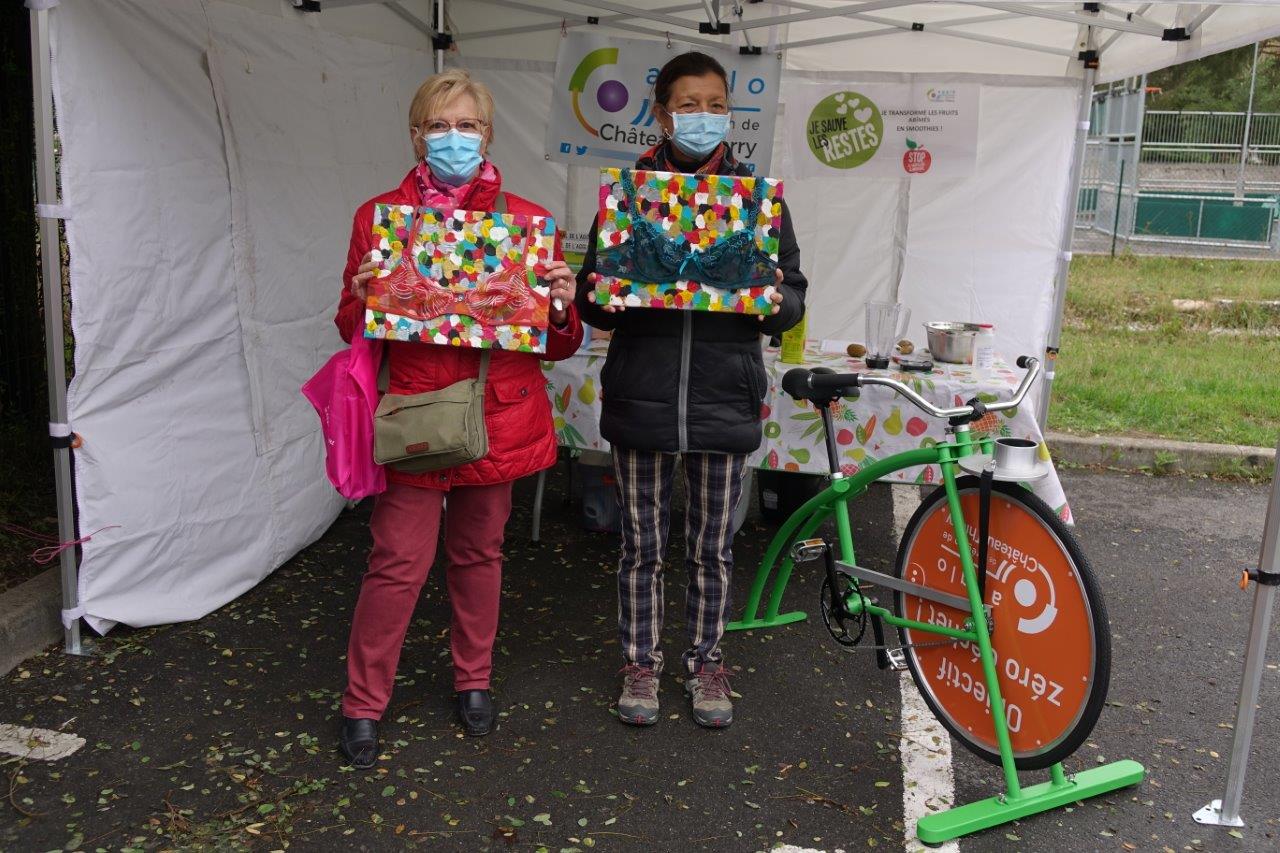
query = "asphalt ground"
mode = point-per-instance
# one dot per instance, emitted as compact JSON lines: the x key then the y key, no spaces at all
{"x":219,"y":734}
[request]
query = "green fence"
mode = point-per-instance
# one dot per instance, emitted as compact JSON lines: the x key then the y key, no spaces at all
{"x":1205,"y":216}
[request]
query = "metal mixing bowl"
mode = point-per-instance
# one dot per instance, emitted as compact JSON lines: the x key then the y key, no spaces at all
{"x":952,"y":342}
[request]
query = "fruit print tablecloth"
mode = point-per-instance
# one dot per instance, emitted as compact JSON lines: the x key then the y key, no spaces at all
{"x":876,"y":425}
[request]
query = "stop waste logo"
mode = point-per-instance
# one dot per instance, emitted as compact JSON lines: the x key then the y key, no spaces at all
{"x":845,"y":130}
{"x":916,"y":160}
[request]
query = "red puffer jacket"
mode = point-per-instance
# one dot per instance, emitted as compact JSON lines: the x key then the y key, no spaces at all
{"x":517,"y":413}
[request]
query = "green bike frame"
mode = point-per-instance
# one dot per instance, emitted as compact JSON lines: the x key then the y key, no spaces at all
{"x":1017,"y":802}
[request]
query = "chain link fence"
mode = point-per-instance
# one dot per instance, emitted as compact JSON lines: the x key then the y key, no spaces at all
{"x":1197,"y":180}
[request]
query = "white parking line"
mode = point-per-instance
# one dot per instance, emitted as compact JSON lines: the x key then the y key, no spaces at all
{"x":928,"y":784}
{"x":37,"y":744}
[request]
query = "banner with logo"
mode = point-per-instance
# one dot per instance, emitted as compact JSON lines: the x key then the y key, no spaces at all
{"x":602,"y":106}
{"x":882,"y":130}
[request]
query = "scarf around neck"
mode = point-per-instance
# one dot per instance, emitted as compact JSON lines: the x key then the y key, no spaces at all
{"x":441,"y":196}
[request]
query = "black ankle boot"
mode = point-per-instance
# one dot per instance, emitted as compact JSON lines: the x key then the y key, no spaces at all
{"x":358,"y":742}
{"x":475,"y":712}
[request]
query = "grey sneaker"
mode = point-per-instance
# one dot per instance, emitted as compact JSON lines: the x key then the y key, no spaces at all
{"x":638,"y":704}
{"x":708,"y":690}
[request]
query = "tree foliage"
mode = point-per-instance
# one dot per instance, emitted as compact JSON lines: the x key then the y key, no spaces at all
{"x":1220,"y":82}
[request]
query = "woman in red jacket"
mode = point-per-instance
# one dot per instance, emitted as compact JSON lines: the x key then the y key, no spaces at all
{"x":451,"y":124}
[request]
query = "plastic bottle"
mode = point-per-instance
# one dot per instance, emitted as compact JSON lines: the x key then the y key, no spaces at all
{"x":793,"y":344}
{"x":984,"y":349}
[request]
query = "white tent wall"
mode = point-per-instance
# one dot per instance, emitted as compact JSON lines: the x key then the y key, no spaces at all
{"x":213,"y":150}
{"x":212,"y":155}
{"x":986,"y":248}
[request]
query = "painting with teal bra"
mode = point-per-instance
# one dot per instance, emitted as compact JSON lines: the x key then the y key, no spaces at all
{"x":688,"y":242}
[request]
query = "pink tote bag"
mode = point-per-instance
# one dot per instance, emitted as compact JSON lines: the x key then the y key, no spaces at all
{"x":345,"y":393}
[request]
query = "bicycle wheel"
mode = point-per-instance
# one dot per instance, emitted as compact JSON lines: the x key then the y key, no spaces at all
{"x":1051,"y":639}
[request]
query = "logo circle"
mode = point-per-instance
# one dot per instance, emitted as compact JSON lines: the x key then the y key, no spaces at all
{"x":612,"y":96}
{"x":844,"y":130}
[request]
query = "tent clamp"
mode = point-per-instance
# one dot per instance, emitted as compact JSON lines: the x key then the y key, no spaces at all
{"x":61,"y":436}
{"x":1091,"y":7}
{"x":1176,"y":34}
{"x":1089,"y":58}
{"x":593,"y":20}
{"x":307,"y":5}
{"x":53,"y":211}
{"x":442,"y":41}
{"x":749,"y":50}
{"x":917,"y":27}
{"x":721,"y":28}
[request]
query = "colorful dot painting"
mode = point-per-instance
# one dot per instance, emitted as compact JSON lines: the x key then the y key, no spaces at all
{"x":696,"y":212}
{"x":471,"y":279}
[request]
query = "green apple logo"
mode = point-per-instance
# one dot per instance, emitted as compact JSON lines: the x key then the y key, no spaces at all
{"x":844,"y":130}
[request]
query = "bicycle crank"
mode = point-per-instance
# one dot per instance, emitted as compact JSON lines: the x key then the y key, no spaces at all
{"x":845,"y":628}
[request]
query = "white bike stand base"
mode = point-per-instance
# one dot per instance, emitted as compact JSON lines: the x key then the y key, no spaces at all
{"x":1212,"y":816}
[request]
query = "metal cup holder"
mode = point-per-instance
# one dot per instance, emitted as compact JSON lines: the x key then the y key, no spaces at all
{"x":1015,"y":460}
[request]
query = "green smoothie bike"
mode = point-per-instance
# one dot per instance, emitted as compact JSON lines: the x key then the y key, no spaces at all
{"x":1014,"y":662}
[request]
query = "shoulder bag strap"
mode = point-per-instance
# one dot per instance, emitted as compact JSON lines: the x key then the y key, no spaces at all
{"x":384,"y":369}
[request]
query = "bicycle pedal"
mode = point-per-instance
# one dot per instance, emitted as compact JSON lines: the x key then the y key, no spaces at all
{"x":808,"y":549}
{"x":897,"y":660}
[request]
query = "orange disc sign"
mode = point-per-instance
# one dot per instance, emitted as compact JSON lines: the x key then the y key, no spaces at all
{"x":1043,"y":639}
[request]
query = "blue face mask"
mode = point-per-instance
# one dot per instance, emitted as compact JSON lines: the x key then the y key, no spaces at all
{"x":454,"y":157}
{"x":698,"y":134}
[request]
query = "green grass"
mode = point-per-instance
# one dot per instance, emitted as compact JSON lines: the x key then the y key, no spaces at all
{"x":1133,"y":364}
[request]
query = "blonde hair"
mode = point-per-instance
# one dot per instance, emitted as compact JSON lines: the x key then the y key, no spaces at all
{"x":438,"y":90}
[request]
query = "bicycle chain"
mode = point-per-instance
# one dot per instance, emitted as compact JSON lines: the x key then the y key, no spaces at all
{"x":934,"y":644}
{"x":857,"y":643}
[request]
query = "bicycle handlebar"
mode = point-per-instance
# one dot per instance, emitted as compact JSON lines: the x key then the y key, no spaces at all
{"x":821,"y":379}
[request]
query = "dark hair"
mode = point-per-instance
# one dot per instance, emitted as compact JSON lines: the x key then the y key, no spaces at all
{"x":691,"y":64}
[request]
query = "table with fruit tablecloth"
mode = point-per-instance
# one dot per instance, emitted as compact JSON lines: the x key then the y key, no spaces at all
{"x":876,"y":425}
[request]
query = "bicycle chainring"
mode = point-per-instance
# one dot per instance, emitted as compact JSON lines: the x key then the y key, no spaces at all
{"x":845,"y":628}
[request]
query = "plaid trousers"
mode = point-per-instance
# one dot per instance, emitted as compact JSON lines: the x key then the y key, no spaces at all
{"x":713,"y":484}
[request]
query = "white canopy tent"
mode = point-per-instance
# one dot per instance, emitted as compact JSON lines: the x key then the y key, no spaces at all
{"x":213,"y":150}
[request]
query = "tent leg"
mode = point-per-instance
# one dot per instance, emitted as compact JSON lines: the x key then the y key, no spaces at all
{"x":1064,"y":241}
{"x":51,"y":271}
{"x":1226,"y":812}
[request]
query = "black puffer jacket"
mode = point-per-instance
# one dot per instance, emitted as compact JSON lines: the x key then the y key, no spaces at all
{"x":689,"y":380}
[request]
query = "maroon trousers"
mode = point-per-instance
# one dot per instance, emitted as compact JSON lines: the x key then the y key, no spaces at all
{"x":406,"y":528}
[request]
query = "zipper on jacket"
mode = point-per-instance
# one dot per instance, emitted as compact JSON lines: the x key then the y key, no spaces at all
{"x":682,"y":404}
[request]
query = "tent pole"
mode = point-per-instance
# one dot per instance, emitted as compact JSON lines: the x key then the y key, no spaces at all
{"x":1065,"y":237}
{"x":439,"y":30}
{"x":1226,"y":812}
{"x":55,"y":366}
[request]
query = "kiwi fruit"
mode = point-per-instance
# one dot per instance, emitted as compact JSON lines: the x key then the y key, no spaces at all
{"x":856,"y":350}
{"x":906,"y":347}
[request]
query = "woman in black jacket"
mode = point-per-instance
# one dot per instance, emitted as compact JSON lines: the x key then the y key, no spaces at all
{"x":685,"y":384}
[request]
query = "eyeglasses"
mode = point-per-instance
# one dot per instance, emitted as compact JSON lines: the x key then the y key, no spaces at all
{"x":466,"y":126}
{"x":719,"y":109}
